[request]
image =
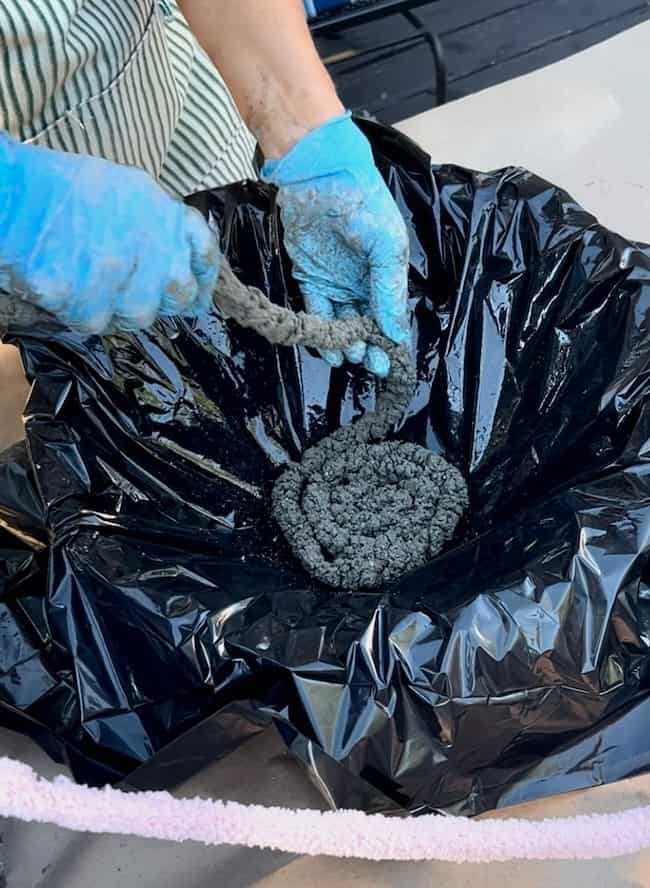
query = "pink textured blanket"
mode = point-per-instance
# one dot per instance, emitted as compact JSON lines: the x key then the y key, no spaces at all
{"x":159,"y":815}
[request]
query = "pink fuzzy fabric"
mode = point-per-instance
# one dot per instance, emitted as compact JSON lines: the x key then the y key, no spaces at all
{"x":159,"y":815}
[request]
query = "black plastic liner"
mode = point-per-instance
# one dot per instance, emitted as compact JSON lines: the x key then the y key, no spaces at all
{"x":143,"y":586}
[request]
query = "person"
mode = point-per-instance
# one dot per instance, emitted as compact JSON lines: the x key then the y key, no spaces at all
{"x":113,"y":110}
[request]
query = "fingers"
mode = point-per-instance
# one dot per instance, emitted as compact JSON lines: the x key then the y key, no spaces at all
{"x":180,"y":298}
{"x":139,"y":296}
{"x":193,"y":275}
{"x":376,"y":360}
{"x":88,"y":319}
{"x":322,"y":307}
{"x":205,"y":258}
{"x":388,"y":261}
{"x":356,"y":352}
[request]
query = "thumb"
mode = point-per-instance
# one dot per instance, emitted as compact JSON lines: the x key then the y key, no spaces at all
{"x":319,"y":305}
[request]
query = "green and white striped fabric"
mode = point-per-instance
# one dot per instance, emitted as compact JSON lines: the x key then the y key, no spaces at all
{"x":121,"y":79}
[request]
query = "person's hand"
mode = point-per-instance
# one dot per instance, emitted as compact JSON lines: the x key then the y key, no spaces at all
{"x":344,"y":235}
{"x":100,"y":246}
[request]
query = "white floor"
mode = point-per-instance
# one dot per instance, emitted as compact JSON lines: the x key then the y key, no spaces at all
{"x":583,"y":123}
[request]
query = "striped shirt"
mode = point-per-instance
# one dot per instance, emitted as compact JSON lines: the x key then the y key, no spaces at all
{"x":121,"y":79}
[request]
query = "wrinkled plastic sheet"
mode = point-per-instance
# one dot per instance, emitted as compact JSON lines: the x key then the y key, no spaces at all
{"x":144,"y":589}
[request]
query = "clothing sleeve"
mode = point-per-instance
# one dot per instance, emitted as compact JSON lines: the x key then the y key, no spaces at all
{"x":130,"y":84}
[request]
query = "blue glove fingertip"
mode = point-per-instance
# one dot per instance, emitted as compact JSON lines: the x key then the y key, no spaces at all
{"x":333,"y":358}
{"x":356,"y":352}
{"x":377,"y":362}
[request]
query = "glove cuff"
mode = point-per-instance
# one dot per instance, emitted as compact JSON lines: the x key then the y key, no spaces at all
{"x":333,"y":147}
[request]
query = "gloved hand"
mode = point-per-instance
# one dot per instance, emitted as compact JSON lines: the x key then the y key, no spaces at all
{"x":100,"y":246}
{"x":344,"y":234}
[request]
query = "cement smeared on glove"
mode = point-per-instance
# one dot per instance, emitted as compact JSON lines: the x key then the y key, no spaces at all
{"x":358,"y":511}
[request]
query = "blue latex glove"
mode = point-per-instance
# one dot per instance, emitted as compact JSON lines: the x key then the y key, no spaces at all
{"x":100,"y":246}
{"x":344,"y":234}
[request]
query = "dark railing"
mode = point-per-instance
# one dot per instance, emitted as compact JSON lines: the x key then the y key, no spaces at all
{"x":334,"y":21}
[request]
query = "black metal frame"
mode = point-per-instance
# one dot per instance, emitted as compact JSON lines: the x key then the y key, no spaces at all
{"x":331,"y":24}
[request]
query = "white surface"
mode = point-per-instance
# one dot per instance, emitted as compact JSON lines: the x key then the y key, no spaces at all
{"x":583,"y":123}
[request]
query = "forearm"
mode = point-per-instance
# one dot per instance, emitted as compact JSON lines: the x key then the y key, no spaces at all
{"x":264,"y":52}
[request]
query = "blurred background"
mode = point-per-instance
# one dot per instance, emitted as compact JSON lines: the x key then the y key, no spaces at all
{"x":397,"y":58}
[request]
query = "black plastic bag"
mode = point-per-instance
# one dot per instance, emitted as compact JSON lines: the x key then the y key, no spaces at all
{"x":143,"y":585}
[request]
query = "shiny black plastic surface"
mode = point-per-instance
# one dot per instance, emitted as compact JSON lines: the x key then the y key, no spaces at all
{"x":143,"y":586}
